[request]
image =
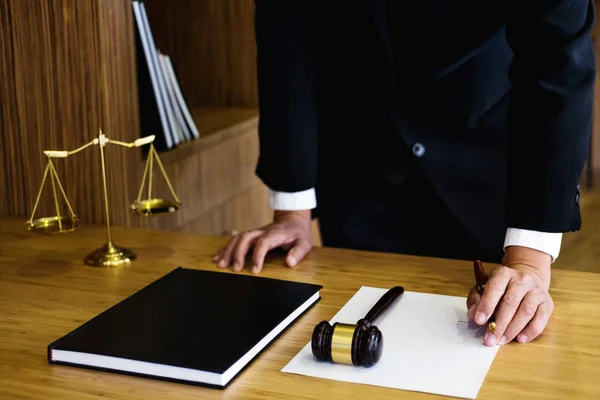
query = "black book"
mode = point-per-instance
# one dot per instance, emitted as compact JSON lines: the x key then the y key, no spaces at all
{"x":191,"y":326}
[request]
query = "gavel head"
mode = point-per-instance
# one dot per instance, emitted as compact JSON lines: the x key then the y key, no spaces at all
{"x":359,"y":345}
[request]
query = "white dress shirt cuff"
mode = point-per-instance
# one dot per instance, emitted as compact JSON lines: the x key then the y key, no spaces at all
{"x":293,"y":201}
{"x":546,"y":242}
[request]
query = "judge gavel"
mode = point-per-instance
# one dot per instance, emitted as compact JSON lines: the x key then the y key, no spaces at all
{"x":360,"y":344}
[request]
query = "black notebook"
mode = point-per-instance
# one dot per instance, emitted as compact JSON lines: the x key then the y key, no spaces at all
{"x":192,"y":326}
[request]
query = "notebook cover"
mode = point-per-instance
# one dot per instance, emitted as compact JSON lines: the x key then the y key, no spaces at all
{"x":204,"y":320}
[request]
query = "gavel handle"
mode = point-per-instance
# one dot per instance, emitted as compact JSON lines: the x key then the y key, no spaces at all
{"x":383,"y":303}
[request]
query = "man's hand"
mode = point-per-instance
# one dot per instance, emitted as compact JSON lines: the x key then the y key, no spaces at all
{"x":290,"y":230}
{"x":517,"y":293}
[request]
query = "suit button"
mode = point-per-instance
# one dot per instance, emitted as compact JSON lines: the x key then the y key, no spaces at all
{"x":418,"y":149}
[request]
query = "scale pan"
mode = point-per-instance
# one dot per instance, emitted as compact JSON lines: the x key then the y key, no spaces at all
{"x":53,"y":224}
{"x":154,"y":207}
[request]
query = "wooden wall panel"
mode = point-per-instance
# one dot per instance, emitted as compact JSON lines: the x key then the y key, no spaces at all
{"x":212,"y":46}
{"x":595,"y":159}
{"x":239,"y":214}
{"x":11,"y":176}
{"x":67,"y":71}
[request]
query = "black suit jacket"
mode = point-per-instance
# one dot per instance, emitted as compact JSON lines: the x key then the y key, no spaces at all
{"x":494,"y":97}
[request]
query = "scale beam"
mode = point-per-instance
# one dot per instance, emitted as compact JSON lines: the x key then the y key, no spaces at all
{"x":108,"y":255}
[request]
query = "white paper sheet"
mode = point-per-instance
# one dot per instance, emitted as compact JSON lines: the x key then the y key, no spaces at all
{"x":429,"y":346}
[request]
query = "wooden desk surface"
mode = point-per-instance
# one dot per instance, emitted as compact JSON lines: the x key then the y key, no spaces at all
{"x":46,"y":291}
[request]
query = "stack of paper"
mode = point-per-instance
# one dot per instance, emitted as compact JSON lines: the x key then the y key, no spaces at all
{"x":429,"y":346}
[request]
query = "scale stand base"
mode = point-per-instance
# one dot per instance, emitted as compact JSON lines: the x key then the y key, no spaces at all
{"x":110,"y":255}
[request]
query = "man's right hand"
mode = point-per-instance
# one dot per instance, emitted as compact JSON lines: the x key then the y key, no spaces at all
{"x":290,"y":230}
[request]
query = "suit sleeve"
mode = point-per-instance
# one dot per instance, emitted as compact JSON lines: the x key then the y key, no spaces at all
{"x":550,"y":113}
{"x":286,"y":57}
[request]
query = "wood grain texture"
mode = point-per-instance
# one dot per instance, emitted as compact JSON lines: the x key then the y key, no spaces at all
{"x":46,"y":291}
{"x":594,"y":160}
{"x":212,"y":46}
{"x":67,"y":71}
{"x":239,"y":213}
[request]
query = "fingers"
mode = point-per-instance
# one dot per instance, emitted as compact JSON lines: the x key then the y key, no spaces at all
{"x":225,"y":256}
{"x":236,"y":250}
{"x":268,"y":242}
{"x":506,"y":310}
{"x":516,"y":309}
{"x":525,"y":313}
{"x":288,"y":237}
{"x":241,"y":249}
{"x":535,"y":327}
{"x":219,"y":254}
{"x":494,"y":290}
{"x":298,"y":252}
{"x":472,"y":300}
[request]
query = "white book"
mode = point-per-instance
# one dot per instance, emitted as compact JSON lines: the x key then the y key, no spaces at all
{"x":161,"y":78}
{"x":154,"y":75}
{"x":181,"y":124}
{"x":180,"y":99}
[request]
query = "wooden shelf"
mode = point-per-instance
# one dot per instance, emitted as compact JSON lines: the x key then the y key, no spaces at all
{"x":214,"y":175}
{"x":212,"y":48}
{"x":210,"y":120}
{"x":215,"y":125}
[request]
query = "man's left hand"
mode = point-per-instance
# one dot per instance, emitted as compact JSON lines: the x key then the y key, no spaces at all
{"x":517,"y":293}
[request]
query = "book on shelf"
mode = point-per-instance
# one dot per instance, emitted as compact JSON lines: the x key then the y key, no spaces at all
{"x":190,"y":326}
{"x":163,"y":109}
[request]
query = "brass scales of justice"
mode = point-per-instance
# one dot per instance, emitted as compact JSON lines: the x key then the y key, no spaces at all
{"x":109,"y":255}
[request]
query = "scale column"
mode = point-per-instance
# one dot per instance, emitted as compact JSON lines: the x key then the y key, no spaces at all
{"x":109,"y":255}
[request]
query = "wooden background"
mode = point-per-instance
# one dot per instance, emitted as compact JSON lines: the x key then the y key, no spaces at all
{"x":68,"y":68}
{"x":213,"y":48}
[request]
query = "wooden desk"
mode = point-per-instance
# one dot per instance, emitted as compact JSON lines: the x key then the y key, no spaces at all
{"x":45,"y":291}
